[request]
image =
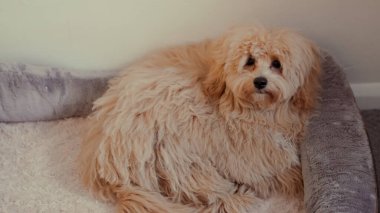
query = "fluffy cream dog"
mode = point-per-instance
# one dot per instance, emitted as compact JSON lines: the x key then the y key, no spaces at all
{"x":208,"y":127}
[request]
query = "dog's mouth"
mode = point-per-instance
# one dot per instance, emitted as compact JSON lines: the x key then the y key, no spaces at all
{"x":262,"y":92}
{"x":265,"y":92}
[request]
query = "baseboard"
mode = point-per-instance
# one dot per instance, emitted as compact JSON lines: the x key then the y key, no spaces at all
{"x":367,"y":95}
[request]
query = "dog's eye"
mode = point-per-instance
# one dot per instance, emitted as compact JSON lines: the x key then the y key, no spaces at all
{"x":276,"y":64}
{"x":250,"y":61}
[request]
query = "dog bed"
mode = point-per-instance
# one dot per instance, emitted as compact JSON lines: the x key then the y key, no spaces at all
{"x":40,"y":110}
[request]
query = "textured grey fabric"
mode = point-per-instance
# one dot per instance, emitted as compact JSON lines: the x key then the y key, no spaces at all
{"x":336,"y":158}
{"x":33,"y":93}
{"x":371,"y":120}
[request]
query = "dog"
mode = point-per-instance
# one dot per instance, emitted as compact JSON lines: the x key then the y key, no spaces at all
{"x":213,"y":126}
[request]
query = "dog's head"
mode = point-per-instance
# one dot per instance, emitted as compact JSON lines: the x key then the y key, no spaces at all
{"x":257,"y":67}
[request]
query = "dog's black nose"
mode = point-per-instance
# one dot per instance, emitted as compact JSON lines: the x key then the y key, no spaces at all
{"x":260,"y":82}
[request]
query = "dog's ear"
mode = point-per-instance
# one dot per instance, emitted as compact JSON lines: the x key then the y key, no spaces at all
{"x":214,"y":82}
{"x":305,"y":98}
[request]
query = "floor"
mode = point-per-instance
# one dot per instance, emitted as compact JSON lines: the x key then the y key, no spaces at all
{"x":372,"y":123}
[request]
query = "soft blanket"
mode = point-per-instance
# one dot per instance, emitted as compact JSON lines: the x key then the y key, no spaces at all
{"x":38,"y":171}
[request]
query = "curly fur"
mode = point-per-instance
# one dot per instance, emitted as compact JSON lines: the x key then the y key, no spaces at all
{"x":185,"y":130}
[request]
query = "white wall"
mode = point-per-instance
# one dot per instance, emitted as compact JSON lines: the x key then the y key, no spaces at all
{"x":105,"y":34}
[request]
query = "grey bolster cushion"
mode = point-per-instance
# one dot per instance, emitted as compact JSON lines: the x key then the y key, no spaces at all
{"x":37,"y":93}
{"x":336,"y":158}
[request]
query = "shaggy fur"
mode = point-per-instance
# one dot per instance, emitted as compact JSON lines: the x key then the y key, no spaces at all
{"x":185,"y":129}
